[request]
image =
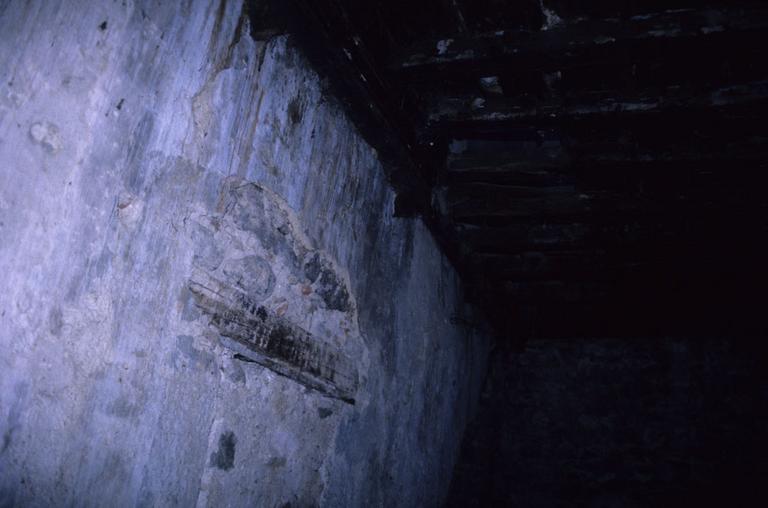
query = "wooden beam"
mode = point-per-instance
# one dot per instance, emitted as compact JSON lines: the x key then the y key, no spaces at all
{"x":546,"y":237}
{"x":513,"y":202}
{"x":534,"y":111}
{"x":274,"y":342}
{"x":582,"y":42}
{"x":555,"y":291}
{"x":660,"y":180}
{"x":482,"y":203}
{"x":491,"y":155}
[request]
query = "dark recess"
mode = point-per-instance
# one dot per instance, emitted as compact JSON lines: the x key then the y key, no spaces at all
{"x":594,"y":170}
{"x":602,"y":177}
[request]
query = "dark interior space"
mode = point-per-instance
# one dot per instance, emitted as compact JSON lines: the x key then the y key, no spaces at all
{"x":596,"y":172}
{"x":352,"y":253}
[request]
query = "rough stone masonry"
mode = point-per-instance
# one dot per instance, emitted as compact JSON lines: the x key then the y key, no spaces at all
{"x":201,"y":271}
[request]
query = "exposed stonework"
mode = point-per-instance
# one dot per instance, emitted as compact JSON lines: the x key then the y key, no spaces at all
{"x":260,"y":284}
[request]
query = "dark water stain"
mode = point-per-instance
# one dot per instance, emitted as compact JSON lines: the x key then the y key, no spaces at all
{"x":295,"y":112}
{"x":327,"y":284}
{"x":14,"y":415}
{"x":224,"y":457}
{"x":55,"y":321}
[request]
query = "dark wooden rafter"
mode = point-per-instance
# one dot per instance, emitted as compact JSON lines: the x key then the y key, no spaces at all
{"x":581,"y":42}
{"x":643,"y":175}
{"x":706,"y":138}
{"x":551,"y":237}
{"x":534,"y":111}
{"x":588,"y":167}
{"x":562,"y":206}
{"x":708,"y":157}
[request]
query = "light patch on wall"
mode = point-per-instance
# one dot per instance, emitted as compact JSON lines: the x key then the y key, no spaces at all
{"x":269,"y":296}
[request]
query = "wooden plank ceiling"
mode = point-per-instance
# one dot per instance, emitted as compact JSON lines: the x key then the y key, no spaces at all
{"x":591,"y":167}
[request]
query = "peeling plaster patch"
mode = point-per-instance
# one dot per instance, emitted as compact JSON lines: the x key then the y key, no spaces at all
{"x":46,"y":134}
{"x":269,"y":296}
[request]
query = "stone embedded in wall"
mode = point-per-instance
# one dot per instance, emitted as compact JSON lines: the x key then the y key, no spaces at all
{"x":251,"y":274}
{"x":260,"y":286}
{"x":46,"y":134}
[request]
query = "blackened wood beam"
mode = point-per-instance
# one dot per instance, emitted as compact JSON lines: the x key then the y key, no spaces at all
{"x":656,"y":173}
{"x":495,"y":203}
{"x":556,"y":291}
{"x":574,"y":265}
{"x":273,"y":342}
{"x":536,"y":154}
{"x":522,"y":253}
{"x":736,"y":134}
{"x":483,"y":203}
{"x":544,"y":237}
{"x":582,"y":42}
{"x":534,"y":111}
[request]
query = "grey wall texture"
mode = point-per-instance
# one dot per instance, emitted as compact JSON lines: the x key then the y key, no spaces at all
{"x":157,"y":165}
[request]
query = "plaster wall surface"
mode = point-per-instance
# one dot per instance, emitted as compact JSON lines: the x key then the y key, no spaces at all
{"x":149,"y":146}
